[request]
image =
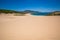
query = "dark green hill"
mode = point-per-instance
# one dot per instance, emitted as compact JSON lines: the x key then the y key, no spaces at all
{"x":8,"y":11}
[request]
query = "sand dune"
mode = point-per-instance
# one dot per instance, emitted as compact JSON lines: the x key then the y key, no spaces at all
{"x":29,"y":27}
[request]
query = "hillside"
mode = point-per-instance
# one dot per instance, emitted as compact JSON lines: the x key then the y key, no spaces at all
{"x":16,"y":13}
{"x":8,"y":11}
{"x":56,"y":13}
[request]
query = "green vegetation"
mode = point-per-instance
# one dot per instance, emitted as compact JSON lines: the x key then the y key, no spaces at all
{"x":6,"y":11}
{"x":16,"y":13}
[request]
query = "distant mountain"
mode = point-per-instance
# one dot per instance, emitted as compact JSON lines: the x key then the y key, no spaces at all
{"x":28,"y":11}
{"x":36,"y":12}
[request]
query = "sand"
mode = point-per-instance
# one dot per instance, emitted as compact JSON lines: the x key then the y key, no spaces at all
{"x":29,"y":27}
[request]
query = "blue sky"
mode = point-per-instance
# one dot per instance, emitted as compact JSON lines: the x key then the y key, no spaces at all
{"x":36,"y":5}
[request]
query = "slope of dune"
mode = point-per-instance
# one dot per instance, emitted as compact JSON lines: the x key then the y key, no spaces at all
{"x":29,"y":27}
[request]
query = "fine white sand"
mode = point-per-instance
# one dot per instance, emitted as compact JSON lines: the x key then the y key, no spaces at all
{"x":29,"y":27}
